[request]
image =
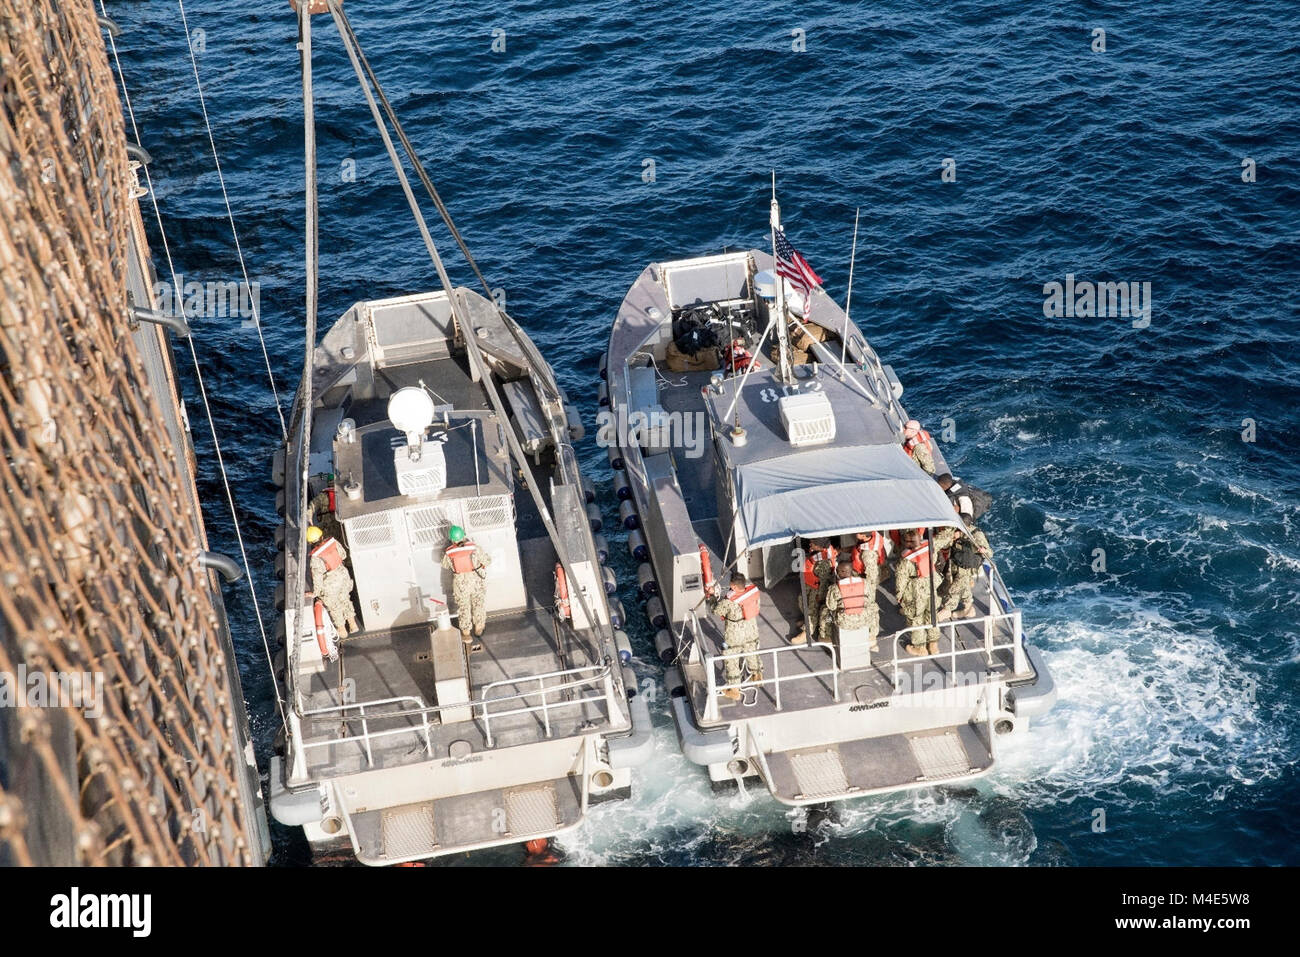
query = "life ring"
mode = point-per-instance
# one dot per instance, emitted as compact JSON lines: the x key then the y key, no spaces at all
{"x":562,"y":592}
{"x":326,"y":635}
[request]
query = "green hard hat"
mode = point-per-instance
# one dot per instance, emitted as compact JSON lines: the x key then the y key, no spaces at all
{"x":456,"y":534}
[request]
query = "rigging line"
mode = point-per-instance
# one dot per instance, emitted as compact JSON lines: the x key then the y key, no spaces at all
{"x":471,"y":345}
{"x":198,"y":374}
{"x":257,"y":319}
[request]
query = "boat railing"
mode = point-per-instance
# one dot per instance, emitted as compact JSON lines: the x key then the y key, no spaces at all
{"x":572,"y":679}
{"x":996,"y":621}
{"x":776,"y":680}
{"x":367,"y":735}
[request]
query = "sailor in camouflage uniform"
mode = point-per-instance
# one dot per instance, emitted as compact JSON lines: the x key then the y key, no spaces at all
{"x":330,"y":580}
{"x":470,"y":563}
{"x":851,"y":601}
{"x":912,"y":582}
{"x":818,"y":573}
{"x":969,"y":551}
{"x":917,"y":444}
{"x":739,"y":609}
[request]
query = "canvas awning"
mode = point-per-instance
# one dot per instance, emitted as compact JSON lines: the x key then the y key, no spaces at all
{"x":834,"y":491}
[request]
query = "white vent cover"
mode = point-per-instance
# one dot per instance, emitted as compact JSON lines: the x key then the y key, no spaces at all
{"x":424,"y":475}
{"x":808,"y":418}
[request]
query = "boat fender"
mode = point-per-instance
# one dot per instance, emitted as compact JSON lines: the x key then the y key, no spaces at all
{"x":604,"y":366}
{"x":665,"y":647}
{"x":624,"y":645}
{"x":645,"y":579}
{"x":617,"y":614}
{"x":631,"y":687}
{"x":655,"y":613}
{"x":292,"y":808}
{"x":615,"y":458}
{"x":638,"y":746}
{"x":610,"y":579}
{"x":627,"y":514}
{"x":594,"y":518}
{"x":699,"y":747}
{"x":602,"y":395}
{"x":602,"y":548}
{"x":576,"y":429}
{"x":637,"y":546}
{"x":622,"y":486}
{"x":588,"y":490}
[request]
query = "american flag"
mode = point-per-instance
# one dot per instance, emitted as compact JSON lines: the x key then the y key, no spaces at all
{"x":792,"y":266}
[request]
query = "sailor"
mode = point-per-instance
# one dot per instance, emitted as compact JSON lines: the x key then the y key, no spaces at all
{"x":470,"y":563}
{"x":872,"y":549}
{"x":955,"y":488}
{"x":917,"y":444}
{"x":851,"y":601}
{"x":320,"y":512}
{"x":739,"y":609}
{"x":912,"y":583}
{"x":330,"y":580}
{"x":942,"y":538}
{"x":818,"y":573}
{"x":969,"y":552}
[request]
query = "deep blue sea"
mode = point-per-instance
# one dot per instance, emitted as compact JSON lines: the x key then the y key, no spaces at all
{"x":1178,"y":664}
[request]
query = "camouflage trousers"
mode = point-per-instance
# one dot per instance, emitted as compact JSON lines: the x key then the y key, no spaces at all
{"x":816,"y":613}
{"x":471,"y":601}
{"x":915,"y":609}
{"x":740,"y":638}
{"x":960,"y":587}
{"x":335,"y":594}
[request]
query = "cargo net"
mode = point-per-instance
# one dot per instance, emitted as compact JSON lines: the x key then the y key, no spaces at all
{"x":118,"y":742}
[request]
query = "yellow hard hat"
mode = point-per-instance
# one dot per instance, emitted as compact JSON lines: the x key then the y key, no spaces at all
{"x":313,"y":534}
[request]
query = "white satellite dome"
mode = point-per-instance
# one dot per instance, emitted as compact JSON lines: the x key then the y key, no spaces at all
{"x":411,"y":411}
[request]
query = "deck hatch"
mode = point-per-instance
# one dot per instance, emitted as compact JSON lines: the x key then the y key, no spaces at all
{"x":940,"y":756}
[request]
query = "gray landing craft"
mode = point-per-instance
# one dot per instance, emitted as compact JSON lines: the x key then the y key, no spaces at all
{"x":812,"y":450}
{"x":415,"y":415}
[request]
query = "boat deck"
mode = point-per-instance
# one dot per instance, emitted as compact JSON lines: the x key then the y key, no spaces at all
{"x":388,"y":664}
{"x":780,"y":619}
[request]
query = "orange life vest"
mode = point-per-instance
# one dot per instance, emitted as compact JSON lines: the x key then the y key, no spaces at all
{"x":328,"y":552}
{"x":874,"y":543}
{"x":747,"y":600}
{"x":738,"y":357}
{"x":462,"y":557}
{"x":896,"y":536}
{"x":920,"y":556}
{"x":809,"y":563}
{"x":853,"y":594}
{"x":922,"y":437}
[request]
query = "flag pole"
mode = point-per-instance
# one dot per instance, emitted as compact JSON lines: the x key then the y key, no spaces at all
{"x":848,"y":297}
{"x":782,"y":332}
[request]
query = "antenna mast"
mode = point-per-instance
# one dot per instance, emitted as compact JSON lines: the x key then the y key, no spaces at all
{"x":782,"y":319}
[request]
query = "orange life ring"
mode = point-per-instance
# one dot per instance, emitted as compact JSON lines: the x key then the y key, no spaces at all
{"x":706,"y":566}
{"x":324,"y":640}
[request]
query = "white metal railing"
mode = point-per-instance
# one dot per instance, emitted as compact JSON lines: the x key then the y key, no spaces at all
{"x":990,"y":622}
{"x":366,"y":735}
{"x":776,"y":680}
{"x":597,"y":673}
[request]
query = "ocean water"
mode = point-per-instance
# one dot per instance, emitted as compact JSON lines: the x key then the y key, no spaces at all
{"x":1177,"y":663}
